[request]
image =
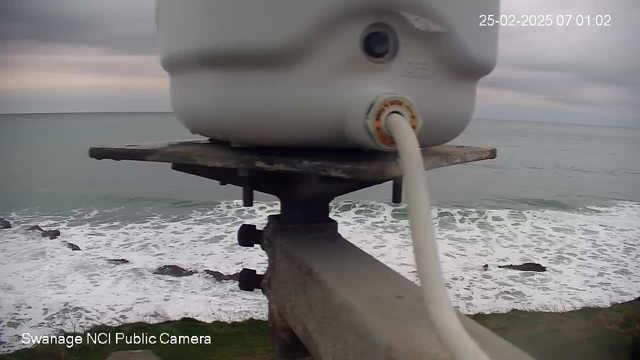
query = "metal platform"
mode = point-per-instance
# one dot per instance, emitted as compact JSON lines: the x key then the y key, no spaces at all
{"x":345,"y":164}
{"x":326,"y":297}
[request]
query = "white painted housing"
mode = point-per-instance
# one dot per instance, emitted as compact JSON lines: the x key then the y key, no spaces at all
{"x":294,"y":73}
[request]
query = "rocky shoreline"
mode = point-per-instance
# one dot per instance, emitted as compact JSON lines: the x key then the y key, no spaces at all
{"x":52,"y":234}
{"x":166,"y":270}
{"x":178,"y":271}
{"x":5,"y":224}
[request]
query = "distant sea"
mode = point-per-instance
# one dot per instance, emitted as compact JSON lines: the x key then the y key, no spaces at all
{"x":566,"y":196}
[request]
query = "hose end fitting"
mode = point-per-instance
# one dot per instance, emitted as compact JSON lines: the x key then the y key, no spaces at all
{"x":382,"y":107}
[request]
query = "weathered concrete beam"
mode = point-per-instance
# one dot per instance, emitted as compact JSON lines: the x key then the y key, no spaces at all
{"x":344,"y":304}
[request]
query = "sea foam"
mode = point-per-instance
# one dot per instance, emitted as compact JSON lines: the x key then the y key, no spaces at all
{"x":591,"y":257}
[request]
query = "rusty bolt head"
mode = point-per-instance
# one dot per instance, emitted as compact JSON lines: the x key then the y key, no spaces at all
{"x":249,"y":235}
{"x":249,"y":280}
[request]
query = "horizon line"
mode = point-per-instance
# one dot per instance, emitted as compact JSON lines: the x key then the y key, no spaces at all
{"x":171,"y":112}
{"x":85,"y":112}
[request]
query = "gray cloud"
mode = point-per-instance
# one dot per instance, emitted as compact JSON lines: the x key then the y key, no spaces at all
{"x":121,"y":26}
{"x":592,"y":67}
{"x":77,"y":60}
{"x":566,"y":87}
{"x":580,"y":69}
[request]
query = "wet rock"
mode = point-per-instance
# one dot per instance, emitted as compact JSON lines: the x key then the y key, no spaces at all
{"x":51,"y":234}
{"x":173,"y":270}
{"x":222,"y":277}
{"x":72,"y":246}
{"x":442,"y":214}
{"x":118,"y":261}
{"x":525,"y":267}
{"x":13,"y":324}
{"x":4,"y":224}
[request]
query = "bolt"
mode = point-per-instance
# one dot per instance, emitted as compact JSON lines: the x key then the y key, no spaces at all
{"x":249,"y":235}
{"x":247,"y":188}
{"x":249,"y":280}
{"x":396,"y":195}
{"x":247,"y":196}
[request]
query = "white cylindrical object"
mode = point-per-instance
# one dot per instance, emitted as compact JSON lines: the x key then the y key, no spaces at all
{"x":448,"y":327}
{"x":301,"y":73}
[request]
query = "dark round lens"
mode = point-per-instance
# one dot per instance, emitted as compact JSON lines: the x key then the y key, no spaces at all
{"x":377,"y":44}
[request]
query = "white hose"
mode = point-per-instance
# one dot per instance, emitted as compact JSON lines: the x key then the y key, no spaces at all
{"x":439,"y":309}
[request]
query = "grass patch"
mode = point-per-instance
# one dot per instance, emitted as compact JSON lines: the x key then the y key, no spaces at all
{"x":588,"y":333}
{"x":246,"y":340}
{"x":585,"y":334}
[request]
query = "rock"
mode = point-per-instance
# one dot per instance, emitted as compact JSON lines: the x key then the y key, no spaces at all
{"x":72,"y":246}
{"x":442,"y":214}
{"x":35,"y":227}
{"x":525,"y":267}
{"x":51,"y":234}
{"x":485,"y":267}
{"x":4,"y":224}
{"x":222,"y":277}
{"x":173,"y":270}
{"x":13,"y":324}
{"x":118,"y":261}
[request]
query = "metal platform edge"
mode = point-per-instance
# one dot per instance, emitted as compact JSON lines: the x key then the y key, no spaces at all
{"x":338,"y":163}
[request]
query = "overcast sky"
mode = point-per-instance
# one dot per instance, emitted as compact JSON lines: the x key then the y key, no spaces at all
{"x":97,"y":55}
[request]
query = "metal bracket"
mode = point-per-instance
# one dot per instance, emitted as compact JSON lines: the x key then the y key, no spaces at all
{"x":326,"y":297}
{"x":396,"y":195}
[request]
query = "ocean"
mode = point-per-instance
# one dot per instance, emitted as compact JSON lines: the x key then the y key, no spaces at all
{"x":566,"y":196}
